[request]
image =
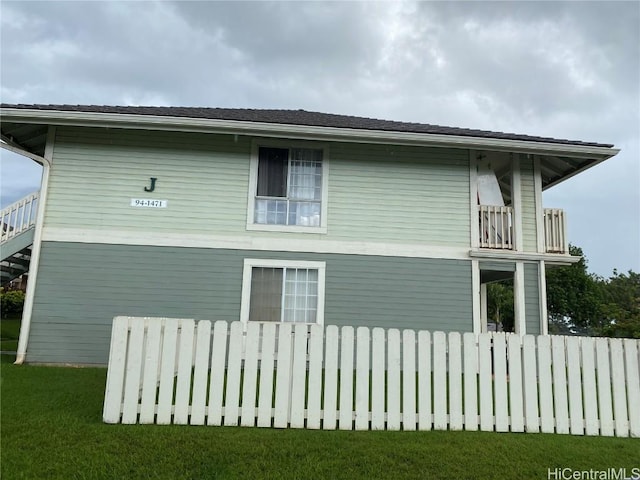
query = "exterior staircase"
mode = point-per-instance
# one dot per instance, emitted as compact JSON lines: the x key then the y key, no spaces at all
{"x":17,"y":223}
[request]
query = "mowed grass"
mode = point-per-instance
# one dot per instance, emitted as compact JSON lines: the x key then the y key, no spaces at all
{"x":9,"y":334}
{"x":52,"y":428}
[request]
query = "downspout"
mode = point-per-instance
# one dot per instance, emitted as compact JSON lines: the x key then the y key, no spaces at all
{"x":46,"y":162}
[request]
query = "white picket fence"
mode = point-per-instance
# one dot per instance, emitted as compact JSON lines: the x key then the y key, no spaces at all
{"x":178,"y":371}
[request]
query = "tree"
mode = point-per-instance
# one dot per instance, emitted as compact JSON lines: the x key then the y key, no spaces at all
{"x":500,"y":304}
{"x":575,"y":298}
{"x":621,"y":306}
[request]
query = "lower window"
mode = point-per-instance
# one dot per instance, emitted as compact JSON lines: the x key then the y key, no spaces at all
{"x":283,"y":291}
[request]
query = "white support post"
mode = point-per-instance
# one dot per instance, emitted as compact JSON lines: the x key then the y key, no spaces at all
{"x":483,"y":307}
{"x":25,"y":325}
{"x":473,"y":199}
{"x":518,"y":300}
{"x":475,"y":294}
{"x":542,"y":289}
{"x":537,"y":188}
{"x":516,"y":201}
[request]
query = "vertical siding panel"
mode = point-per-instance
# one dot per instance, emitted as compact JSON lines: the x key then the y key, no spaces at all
{"x":529,"y":236}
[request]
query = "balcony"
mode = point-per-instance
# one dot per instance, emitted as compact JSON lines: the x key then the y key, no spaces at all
{"x":496,"y":229}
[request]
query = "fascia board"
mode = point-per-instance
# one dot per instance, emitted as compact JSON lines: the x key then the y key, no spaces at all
{"x":303,"y":132}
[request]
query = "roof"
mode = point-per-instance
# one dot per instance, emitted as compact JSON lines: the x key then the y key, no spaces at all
{"x":25,"y":128}
{"x":299,"y":117}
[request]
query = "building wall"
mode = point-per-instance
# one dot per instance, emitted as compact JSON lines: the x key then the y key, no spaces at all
{"x":81,"y":287}
{"x":529,"y":241}
{"x":531,"y":298}
{"x":377,"y":193}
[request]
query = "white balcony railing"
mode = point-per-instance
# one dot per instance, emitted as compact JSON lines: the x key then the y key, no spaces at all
{"x":496,"y":227}
{"x":18,"y":217}
{"x":555,"y":231}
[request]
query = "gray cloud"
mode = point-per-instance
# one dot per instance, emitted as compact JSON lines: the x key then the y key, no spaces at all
{"x":562,"y":69}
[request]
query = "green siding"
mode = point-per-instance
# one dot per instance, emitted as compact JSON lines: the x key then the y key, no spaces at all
{"x":528,"y":205}
{"x":81,"y":287}
{"x":531,"y":298}
{"x":377,"y":193}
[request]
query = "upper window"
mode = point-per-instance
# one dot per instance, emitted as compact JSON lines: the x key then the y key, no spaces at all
{"x":288,"y":189}
{"x":283,"y":291}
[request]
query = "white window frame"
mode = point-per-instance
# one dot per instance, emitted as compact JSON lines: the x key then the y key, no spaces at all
{"x":249,"y":263}
{"x":253,"y":187}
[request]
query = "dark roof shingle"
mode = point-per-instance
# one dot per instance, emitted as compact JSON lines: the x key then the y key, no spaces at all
{"x":300,"y":117}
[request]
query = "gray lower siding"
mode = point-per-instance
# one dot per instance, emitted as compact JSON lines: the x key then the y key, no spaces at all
{"x":81,"y":287}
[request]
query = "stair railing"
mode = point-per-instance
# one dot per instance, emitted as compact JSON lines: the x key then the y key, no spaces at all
{"x":18,"y":217}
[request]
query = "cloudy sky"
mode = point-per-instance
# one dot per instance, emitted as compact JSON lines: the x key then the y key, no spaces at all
{"x":565,"y":70}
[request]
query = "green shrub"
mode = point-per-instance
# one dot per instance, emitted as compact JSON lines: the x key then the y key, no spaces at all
{"x":11,"y":302}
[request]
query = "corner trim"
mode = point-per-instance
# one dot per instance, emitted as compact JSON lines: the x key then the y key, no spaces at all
{"x":25,"y":325}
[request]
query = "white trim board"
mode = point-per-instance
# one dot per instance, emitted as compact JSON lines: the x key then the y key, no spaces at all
{"x":553,"y":258}
{"x":258,"y":243}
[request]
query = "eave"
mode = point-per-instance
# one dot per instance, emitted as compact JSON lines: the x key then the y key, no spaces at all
{"x":589,"y":155}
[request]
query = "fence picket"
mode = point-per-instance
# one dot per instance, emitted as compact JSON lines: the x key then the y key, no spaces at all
{"x":501,"y":400}
{"x":547,"y":422}
{"x":377,"y":379}
{"x":115,"y":373}
{"x":167,"y":372}
{"x":299,"y":375}
{"x":440,"y":381}
{"x":314,"y":402}
{"x":589,"y":386}
{"x":234,"y":372}
{"x":485,"y":381}
{"x":218,"y":371}
{"x":530,"y":384}
{"x":267,"y":360}
{"x":424,"y":380}
{"x":559,"y":367}
{"x":133,"y":373}
{"x":470,"y":381}
{"x":632,"y":359}
{"x":151,"y":371}
{"x":621,"y":421}
{"x":330,"y":405}
{"x":408,"y":380}
{"x":200,"y":372}
{"x":283,"y":377}
{"x":393,"y":379}
{"x":345,"y":420}
{"x":516,"y":400}
{"x":574,"y":367}
{"x":183,"y":380}
{"x":604,"y":387}
{"x":250,"y":377}
{"x":455,"y":382}
{"x":362,"y":379}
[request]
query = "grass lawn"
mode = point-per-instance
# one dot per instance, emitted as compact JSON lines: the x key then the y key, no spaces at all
{"x":9,"y":334}
{"x":51,"y":428}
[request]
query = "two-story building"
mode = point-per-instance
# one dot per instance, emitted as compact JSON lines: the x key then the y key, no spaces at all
{"x":277,"y":216}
